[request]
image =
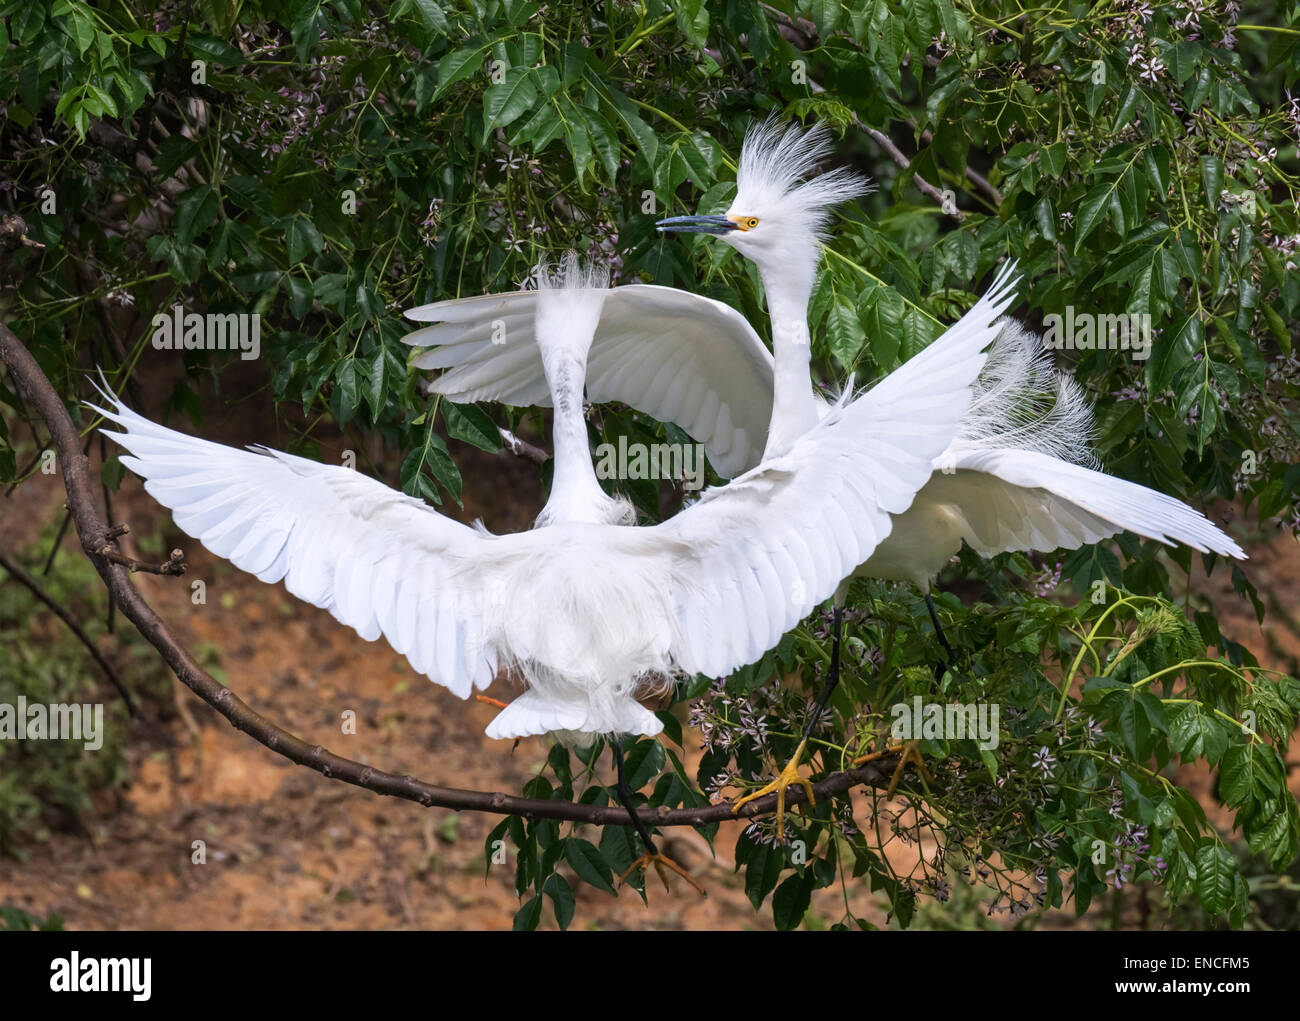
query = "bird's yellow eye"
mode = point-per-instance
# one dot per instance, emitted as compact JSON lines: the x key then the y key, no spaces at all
{"x":749,"y":222}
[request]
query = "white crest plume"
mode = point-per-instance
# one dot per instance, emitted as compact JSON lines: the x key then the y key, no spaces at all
{"x":572,"y":274}
{"x":1020,"y":401}
{"x":569,"y":302}
{"x":776,"y":162}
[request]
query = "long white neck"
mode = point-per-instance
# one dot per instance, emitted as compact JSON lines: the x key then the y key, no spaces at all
{"x":576,"y":496}
{"x":794,"y":406}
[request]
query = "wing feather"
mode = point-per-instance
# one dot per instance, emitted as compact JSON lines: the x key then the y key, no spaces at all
{"x":651,"y":340}
{"x":824,"y":505}
{"x":378,"y":560}
{"x":1058,"y":493}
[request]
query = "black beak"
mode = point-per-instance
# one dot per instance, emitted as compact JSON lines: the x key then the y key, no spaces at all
{"x":697,"y":225}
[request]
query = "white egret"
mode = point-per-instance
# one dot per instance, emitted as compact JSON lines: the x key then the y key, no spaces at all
{"x":1015,"y":477}
{"x":1002,"y":484}
{"x":491,"y":319}
{"x":586,"y":612}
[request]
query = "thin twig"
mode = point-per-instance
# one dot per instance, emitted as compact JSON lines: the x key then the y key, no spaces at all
{"x":173,"y":565}
{"x":522,"y":448}
{"x":58,"y":541}
{"x":30,"y":583}
{"x":802,"y":34}
{"x":67,"y":515}
{"x":974,"y":176}
{"x":23,"y":472}
{"x":95,"y":534}
{"x":108,"y":515}
{"x":946,"y":204}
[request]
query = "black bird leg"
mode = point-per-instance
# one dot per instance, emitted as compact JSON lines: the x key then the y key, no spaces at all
{"x":650,"y":855}
{"x":938,"y":631}
{"x":790,"y":774}
{"x":832,"y":676}
{"x":625,"y":797}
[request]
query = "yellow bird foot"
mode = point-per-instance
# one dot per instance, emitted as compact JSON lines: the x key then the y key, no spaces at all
{"x":909,"y":752}
{"x":488,"y":700}
{"x":659,"y":861}
{"x":788,"y":777}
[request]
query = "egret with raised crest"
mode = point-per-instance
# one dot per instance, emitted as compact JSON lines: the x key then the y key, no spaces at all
{"x":1017,"y":475}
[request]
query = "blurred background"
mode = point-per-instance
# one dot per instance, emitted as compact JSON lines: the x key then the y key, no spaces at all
{"x":327,"y":164}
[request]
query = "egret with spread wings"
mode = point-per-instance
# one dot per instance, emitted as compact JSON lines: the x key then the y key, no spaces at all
{"x":1017,"y":475}
{"x":585,"y":609}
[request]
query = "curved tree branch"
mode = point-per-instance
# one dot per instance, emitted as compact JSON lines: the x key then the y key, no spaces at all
{"x":95,"y":534}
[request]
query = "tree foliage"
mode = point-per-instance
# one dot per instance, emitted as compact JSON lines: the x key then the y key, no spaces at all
{"x":327,"y":164}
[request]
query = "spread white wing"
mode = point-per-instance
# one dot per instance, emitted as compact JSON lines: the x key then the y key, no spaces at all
{"x":687,"y":359}
{"x":1028,"y":500}
{"x":713,"y":588}
{"x":1001,"y":500}
{"x":777,"y":541}
{"x":677,"y":356}
{"x":380,"y":561}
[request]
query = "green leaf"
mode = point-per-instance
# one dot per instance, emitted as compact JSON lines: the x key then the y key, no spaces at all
{"x":80,"y":27}
{"x":529,"y":916}
{"x":427,"y":462}
{"x":302,"y":237}
{"x":1237,"y":774}
{"x":645,"y":760}
{"x":1216,"y":871}
{"x":172,"y":152}
{"x":457,"y":66}
{"x":762,"y":871}
{"x":1196,"y":733}
{"x":377,"y":390}
{"x":618,"y":845}
{"x":1091,"y":211}
{"x":432,"y":16}
{"x":603,"y":139}
{"x":883,"y":318}
{"x":539,"y":130}
{"x":561,"y":894}
{"x":588,"y":863}
{"x":1052,"y":159}
{"x":28,"y":19}
{"x":347,"y":390}
{"x":195,"y":211}
{"x":693,"y":20}
{"x":1173,"y":351}
{"x":509,"y":100}
{"x":646,"y":139}
{"x":1212,"y":177}
{"x":579,"y":146}
{"x":918,"y":330}
{"x":470,"y":424}
{"x":844,"y":331}
{"x":300,"y":296}
{"x":216,"y":50}
{"x":791,"y":900}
